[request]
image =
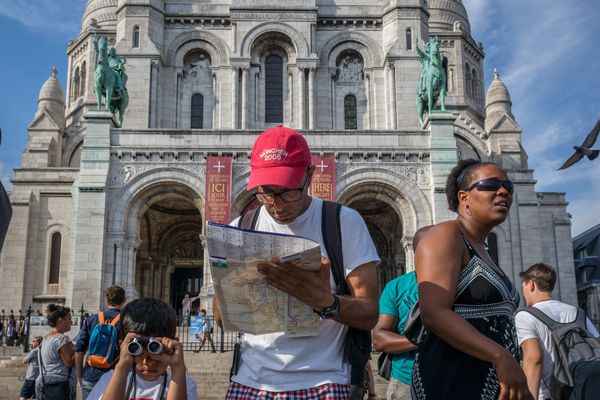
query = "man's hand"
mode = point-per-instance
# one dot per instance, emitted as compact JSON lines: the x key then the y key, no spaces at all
{"x":310,"y":287}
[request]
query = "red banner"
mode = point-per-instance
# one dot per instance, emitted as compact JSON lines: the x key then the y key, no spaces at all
{"x":323,"y":181}
{"x":217,"y":206}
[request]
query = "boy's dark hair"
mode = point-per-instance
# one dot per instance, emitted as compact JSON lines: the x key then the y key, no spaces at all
{"x":54,"y":312}
{"x":149,"y":317}
{"x":460,"y":178}
{"x":202,"y":310}
{"x":115,"y":295}
{"x":542,"y":274}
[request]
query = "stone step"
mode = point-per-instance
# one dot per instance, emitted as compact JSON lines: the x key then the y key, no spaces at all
{"x":210,"y":371}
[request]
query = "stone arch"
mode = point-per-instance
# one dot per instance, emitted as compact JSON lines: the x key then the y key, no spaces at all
{"x":74,"y":144}
{"x":297,"y":39}
{"x":217,"y":48}
{"x":478,"y":144}
{"x":368,"y":47}
{"x":412,"y":205}
{"x":241,"y":197}
{"x":130,"y":201}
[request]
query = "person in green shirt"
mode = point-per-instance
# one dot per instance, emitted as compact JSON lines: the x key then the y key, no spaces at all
{"x":397,"y":299}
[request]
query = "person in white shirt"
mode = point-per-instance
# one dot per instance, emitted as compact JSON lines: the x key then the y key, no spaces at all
{"x":144,"y":376}
{"x":273,"y":365}
{"x":535,"y":337}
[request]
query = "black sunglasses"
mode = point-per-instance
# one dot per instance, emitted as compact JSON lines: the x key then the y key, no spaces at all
{"x":492,"y":185}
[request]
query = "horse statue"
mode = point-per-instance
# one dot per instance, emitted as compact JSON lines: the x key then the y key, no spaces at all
{"x":432,"y":83}
{"x":110,"y":79}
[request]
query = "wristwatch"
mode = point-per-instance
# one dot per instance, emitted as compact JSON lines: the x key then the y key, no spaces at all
{"x":331,"y":311}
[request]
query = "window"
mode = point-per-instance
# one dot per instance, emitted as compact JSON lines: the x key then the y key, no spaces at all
{"x":274,"y":89}
{"x":55,"y":248}
{"x":75,"y":83}
{"x":82,"y":82}
{"x":136,"y":37}
{"x":408,"y":39}
{"x":197,"y":111}
{"x":475,"y":83}
{"x":350,"y":112}
{"x":468,"y":80}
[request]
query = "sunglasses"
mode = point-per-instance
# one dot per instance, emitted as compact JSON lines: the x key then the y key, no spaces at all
{"x":492,"y":185}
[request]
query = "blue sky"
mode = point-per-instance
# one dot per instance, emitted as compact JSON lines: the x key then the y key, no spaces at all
{"x":545,"y":50}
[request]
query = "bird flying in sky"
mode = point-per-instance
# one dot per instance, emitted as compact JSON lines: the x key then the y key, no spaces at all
{"x":585,"y":148}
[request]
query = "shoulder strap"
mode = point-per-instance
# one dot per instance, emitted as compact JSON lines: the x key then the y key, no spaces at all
{"x":41,"y":364}
{"x":101,"y":316}
{"x":116,"y":319}
{"x":472,"y":251}
{"x":248,"y":219}
{"x":332,"y":238}
{"x":546,"y":320}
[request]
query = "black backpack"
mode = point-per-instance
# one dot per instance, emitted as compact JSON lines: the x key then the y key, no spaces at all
{"x":357,"y":347}
{"x":576,"y":373}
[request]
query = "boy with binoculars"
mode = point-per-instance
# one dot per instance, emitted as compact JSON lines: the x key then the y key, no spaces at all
{"x":146,"y":351}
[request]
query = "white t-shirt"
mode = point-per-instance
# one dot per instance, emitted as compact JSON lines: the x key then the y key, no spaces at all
{"x":276,"y":362}
{"x":529,"y":327}
{"x":145,"y":390}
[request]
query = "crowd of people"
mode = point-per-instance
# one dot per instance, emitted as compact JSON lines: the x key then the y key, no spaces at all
{"x":472,"y":345}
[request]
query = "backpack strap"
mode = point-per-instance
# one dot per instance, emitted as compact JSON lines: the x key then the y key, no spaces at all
{"x":248,"y":219}
{"x":546,"y":320}
{"x":116,"y":319}
{"x":332,"y":239}
{"x":101,"y":316}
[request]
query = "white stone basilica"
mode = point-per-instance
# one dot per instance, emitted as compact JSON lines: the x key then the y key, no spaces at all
{"x":95,"y":205}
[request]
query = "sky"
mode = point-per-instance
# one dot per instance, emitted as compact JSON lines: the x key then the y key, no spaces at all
{"x":545,"y":51}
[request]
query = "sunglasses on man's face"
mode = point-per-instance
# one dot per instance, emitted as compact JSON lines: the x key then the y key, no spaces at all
{"x":492,"y":185}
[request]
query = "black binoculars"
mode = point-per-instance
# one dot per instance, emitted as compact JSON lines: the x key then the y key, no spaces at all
{"x":136,"y":346}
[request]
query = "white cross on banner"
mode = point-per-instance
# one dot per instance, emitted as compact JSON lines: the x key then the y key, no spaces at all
{"x":323,"y":180}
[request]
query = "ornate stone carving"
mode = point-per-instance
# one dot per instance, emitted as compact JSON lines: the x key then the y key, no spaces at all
{"x":187,"y":246}
{"x":198,"y":72}
{"x":350,"y":72}
{"x":270,"y":16}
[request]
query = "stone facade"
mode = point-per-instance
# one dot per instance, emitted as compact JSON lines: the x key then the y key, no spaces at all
{"x":128,"y":203}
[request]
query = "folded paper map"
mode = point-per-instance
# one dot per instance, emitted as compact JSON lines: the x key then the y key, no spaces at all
{"x":247,"y":303}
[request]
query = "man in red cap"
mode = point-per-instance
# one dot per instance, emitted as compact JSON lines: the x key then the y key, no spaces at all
{"x":314,"y":367}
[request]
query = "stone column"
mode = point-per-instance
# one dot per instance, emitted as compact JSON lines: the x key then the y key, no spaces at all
{"x":118,"y":259}
{"x":90,"y":211}
{"x":368,"y":95}
{"x":311,"y":97}
{"x":443,"y":158}
{"x":392,"y":93}
{"x":234,"y":98}
{"x":244,"y":108}
{"x":301,"y":100}
{"x":129,"y":276}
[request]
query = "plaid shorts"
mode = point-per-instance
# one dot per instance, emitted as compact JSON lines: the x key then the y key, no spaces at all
{"x":330,"y":391}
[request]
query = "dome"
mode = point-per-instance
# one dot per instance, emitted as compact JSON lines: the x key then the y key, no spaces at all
{"x":443,"y":14}
{"x":497,"y":97}
{"x":52,"y":98}
{"x":103,"y":11}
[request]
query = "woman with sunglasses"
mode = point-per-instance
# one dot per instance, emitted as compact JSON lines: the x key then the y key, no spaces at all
{"x":57,"y":357}
{"x":469,"y":350}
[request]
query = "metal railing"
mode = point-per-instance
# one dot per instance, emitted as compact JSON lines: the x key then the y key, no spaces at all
{"x":189,"y":333}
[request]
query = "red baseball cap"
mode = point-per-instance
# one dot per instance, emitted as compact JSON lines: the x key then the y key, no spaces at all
{"x":280,"y":157}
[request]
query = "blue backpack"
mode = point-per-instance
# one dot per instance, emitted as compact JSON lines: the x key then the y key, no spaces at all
{"x":103,"y":350}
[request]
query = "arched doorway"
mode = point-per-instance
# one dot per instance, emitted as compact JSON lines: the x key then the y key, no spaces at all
{"x":375,"y":202}
{"x":170,"y":258}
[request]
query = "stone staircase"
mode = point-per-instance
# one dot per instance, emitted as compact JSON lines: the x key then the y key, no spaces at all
{"x":210,"y":370}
